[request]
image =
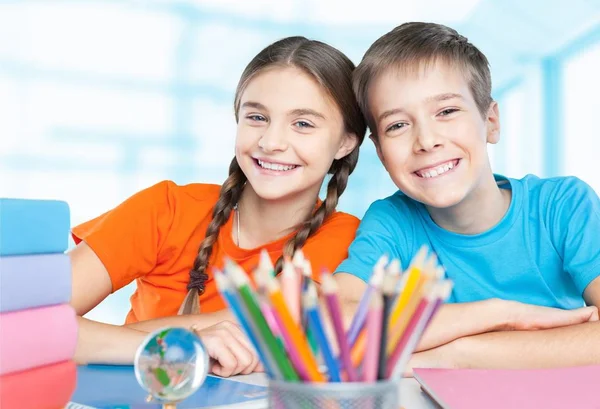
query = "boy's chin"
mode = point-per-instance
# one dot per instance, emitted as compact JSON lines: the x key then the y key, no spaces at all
{"x":441,"y":201}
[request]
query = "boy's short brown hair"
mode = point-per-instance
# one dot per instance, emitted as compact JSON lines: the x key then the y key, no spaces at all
{"x":412,"y":46}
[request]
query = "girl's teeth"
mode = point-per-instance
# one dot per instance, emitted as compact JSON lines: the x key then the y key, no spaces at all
{"x":275,"y":166}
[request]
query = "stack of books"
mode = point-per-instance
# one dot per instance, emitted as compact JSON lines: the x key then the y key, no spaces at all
{"x":38,"y":326}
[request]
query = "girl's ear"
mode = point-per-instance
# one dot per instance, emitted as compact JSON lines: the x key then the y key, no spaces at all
{"x":349,"y":142}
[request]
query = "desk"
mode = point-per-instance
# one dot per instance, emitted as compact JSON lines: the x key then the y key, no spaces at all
{"x":108,"y":383}
{"x":411,"y":395}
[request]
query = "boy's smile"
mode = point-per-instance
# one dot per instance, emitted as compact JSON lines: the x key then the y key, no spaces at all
{"x":431,"y":137}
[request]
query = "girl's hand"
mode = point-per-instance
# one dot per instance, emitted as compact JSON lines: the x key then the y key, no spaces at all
{"x":229,"y":350}
{"x":533,"y":317}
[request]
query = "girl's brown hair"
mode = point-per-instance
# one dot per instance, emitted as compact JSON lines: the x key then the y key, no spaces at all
{"x":333,"y":71}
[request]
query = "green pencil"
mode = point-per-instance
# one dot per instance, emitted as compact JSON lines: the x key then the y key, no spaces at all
{"x":240,"y":280}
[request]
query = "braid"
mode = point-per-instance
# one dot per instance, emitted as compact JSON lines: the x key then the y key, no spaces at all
{"x":341,"y":169}
{"x":228,"y":197}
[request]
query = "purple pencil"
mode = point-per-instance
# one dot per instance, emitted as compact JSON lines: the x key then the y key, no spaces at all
{"x":358,"y":320}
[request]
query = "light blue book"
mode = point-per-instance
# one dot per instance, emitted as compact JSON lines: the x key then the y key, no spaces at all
{"x":33,"y":226}
{"x":115,"y":387}
{"x":34,"y":281}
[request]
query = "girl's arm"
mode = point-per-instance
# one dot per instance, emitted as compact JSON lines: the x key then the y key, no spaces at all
{"x":104,"y":343}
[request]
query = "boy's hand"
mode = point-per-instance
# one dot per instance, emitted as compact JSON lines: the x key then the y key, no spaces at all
{"x":532,"y":317}
{"x":229,"y":350}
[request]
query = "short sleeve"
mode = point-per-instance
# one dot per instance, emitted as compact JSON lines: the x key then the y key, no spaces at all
{"x":128,"y":238}
{"x":375,"y":237}
{"x":329,"y":245}
{"x":574,"y":224}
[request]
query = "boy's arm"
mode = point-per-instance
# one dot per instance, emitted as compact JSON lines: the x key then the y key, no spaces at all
{"x":566,"y":346}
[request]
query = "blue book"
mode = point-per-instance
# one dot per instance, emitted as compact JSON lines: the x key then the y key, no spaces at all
{"x":33,"y":226}
{"x":34,"y":281}
{"x":115,"y":387}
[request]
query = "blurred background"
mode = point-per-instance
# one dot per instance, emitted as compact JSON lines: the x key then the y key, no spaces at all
{"x":99,"y":99}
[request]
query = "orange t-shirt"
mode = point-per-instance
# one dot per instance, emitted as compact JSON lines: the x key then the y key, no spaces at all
{"x":153,"y":237}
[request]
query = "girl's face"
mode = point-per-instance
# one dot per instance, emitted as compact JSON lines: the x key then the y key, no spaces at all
{"x":289,"y":132}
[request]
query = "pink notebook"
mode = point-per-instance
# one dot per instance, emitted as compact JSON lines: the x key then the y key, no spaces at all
{"x":36,"y":337}
{"x":558,"y":388}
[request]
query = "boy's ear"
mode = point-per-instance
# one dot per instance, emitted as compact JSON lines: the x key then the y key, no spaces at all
{"x":373,"y":138}
{"x":493,"y":123}
{"x":348,"y":144}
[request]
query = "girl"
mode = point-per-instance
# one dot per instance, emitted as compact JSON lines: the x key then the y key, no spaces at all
{"x":297,"y":121}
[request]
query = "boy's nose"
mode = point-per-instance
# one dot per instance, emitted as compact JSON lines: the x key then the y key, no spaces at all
{"x":427,"y":140}
{"x":272,"y":140}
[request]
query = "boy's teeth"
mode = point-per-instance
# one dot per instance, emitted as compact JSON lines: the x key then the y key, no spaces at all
{"x":275,"y":166}
{"x":437,"y":171}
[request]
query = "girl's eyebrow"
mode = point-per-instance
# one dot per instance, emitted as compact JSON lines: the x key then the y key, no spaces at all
{"x":306,"y":111}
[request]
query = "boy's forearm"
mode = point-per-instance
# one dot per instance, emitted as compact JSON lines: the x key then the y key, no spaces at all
{"x":454,"y":321}
{"x":185,"y":321}
{"x":566,"y":346}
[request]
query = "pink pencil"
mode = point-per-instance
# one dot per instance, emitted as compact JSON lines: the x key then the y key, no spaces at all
{"x":290,"y":287}
{"x":440,"y":292}
{"x":266,"y":268}
{"x":374,"y":321}
{"x":329,"y":288}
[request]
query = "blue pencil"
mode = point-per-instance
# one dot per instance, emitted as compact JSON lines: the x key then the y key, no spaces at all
{"x":241,"y":313}
{"x":316,"y":326}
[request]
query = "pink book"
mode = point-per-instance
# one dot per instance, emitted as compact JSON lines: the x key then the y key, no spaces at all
{"x":556,"y":388}
{"x":36,"y":337}
{"x":46,"y":387}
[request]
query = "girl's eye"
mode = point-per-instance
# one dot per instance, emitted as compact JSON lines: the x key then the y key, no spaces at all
{"x":303,"y":124}
{"x":395,"y":127}
{"x":448,"y":111}
{"x":256,"y":118}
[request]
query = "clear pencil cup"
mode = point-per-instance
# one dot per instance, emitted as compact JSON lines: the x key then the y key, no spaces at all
{"x":335,"y":395}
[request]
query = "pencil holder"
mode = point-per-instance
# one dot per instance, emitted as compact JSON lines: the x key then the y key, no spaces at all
{"x":335,"y":395}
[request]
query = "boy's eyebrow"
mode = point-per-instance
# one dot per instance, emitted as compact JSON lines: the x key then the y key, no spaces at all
{"x":443,"y":97}
{"x":436,"y":98}
{"x":389,"y":112}
{"x":252,"y":104}
{"x":306,"y":111}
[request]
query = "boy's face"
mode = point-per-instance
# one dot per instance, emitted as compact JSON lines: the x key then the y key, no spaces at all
{"x":431,"y":136}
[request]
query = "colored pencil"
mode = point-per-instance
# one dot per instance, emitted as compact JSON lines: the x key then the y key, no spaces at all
{"x":388,"y":289}
{"x":374,"y":321}
{"x":361,"y":312}
{"x":329,"y":289}
{"x":296,"y":341}
{"x":443,"y":292}
{"x":243,"y":317}
{"x":240,"y":280}
{"x":290,"y":287}
{"x":315,"y":323}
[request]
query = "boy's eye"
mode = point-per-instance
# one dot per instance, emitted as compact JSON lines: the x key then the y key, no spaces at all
{"x":395,"y":127}
{"x":303,"y":124}
{"x":256,"y":117}
{"x":448,"y":111}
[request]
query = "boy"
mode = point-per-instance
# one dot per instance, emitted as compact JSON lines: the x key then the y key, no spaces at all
{"x":426,"y":94}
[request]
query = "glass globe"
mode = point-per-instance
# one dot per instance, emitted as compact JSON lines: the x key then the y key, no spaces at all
{"x":171,"y":364}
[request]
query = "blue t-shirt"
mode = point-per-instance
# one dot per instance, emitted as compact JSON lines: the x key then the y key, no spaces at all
{"x":544,"y":251}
